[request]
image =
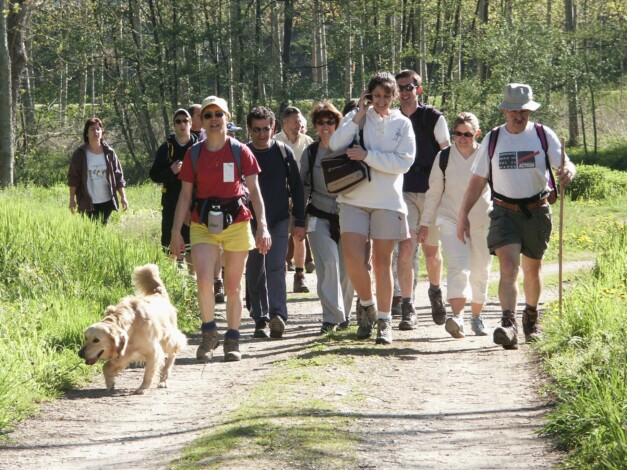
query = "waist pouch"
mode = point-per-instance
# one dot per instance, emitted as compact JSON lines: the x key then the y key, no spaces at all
{"x":208,"y":210}
{"x":341,"y":173}
{"x":334,"y":220}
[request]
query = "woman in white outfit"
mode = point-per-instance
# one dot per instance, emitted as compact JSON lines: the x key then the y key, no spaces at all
{"x":468,"y":264}
{"x":375,"y":208}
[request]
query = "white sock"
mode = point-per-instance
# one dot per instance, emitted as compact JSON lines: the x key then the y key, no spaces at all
{"x":384,"y":316}
{"x":366,"y":303}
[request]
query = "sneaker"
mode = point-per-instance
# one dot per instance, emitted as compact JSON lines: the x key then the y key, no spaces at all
{"x":397,"y":310}
{"x":531,"y":329}
{"x":327,"y":328}
{"x":209,"y":342}
{"x":384,"y":331}
{"x":231,"y":350}
{"x":277,"y":326}
{"x":454,"y":326}
{"x":408,"y":314}
{"x":366,"y":321}
{"x":345,"y":324}
{"x":507,"y":334}
{"x":476,"y":324}
{"x":218,"y":291}
{"x":290,"y":266}
{"x":310,"y":267}
{"x":261,"y":329}
{"x":438,"y":312}
{"x":299,"y":284}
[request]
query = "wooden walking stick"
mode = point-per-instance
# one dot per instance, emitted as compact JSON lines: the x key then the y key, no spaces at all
{"x":561,"y":230}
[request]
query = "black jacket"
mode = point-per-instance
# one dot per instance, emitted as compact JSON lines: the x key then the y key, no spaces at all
{"x":160,"y":172}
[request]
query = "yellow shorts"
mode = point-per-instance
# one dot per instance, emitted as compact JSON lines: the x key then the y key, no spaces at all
{"x":236,"y":237}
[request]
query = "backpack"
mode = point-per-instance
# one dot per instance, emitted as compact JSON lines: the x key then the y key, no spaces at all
{"x":494,"y":135}
{"x":444,"y":155}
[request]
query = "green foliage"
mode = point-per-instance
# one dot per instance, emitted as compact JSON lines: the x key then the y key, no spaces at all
{"x":585,"y":351}
{"x":598,"y":183}
{"x":57,"y":275}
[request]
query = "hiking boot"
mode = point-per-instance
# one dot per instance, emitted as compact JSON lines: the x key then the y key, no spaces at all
{"x":209,"y":342}
{"x":438,"y":312}
{"x":397,"y":310}
{"x":277,"y":326}
{"x":290,"y":266}
{"x":310,"y":267}
{"x":327,"y":328}
{"x":346,"y":323}
{"x":357,"y":310}
{"x":507,"y":334}
{"x":384,"y":331}
{"x":231,"y":350}
{"x":476,"y":324}
{"x":218,"y":291}
{"x":531,"y":329}
{"x":366,"y":321}
{"x":408,"y":321}
{"x":454,"y":326}
{"x":261,"y":329}
{"x":299,"y":284}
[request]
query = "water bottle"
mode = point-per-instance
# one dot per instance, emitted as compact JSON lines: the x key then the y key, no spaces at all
{"x":215,"y":220}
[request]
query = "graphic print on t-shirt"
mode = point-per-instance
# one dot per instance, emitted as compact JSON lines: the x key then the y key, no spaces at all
{"x":517,"y":160}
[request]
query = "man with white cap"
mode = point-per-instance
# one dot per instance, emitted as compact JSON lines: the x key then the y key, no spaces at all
{"x":515,"y":160}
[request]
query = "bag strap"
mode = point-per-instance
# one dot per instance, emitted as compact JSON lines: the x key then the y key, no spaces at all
{"x":312,"y":152}
{"x":494,"y":137}
{"x":287,"y":166}
{"x":444,"y":156}
{"x":545,"y":146}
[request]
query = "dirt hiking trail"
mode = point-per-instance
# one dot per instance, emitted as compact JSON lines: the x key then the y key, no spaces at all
{"x":432,"y":402}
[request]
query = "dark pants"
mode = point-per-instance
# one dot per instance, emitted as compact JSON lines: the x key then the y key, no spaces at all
{"x":167,"y":220}
{"x":265,"y":276}
{"x":102,"y":212}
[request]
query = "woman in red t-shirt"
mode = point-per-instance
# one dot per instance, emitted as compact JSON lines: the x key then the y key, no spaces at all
{"x":217,"y":179}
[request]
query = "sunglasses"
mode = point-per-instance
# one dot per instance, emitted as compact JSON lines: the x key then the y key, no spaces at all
{"x":465,"y":134}
{"x":261,"y":129}
{"x":217,"y":114}
{"x":181,"y":121}
{"x":325,"y":122}
{"x":408,"y":87}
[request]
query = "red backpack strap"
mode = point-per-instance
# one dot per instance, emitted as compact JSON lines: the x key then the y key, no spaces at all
{"x":545,"y":146}
{"x":494,"y":136}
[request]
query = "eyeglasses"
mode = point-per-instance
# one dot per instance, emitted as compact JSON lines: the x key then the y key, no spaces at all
{"x":181,"y":121}
{"x":217,"y":114}
{"x":465,"y":134}
{"x":408,"y":87}
{"x":261,"y":129}
{"x":325,"y":122}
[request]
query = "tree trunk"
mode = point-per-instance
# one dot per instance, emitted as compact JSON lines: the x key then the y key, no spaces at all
{"x":288,"y":24}
{"x":573,"y":127}
{"x":482,"y":13}
{"x":6,"y":118}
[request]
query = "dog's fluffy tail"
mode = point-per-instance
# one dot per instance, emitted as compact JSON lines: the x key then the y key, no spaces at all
{"x":147,"y":280}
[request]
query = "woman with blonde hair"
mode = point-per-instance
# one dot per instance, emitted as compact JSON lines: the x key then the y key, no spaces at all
{"x":468,"y":265}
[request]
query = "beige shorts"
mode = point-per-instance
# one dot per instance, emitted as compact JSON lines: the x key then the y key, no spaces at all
{"x":415,"y":207}
{"x":377,"y":224}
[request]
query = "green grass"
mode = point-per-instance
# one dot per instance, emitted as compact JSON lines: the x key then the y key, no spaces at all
{"x":285,"y":418}
{"x":57,"y":274}
{"x":585,"y":351}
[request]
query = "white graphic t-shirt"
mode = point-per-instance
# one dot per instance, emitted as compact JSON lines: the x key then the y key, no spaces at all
{"x":519,"y":165}
{"x":97,"y":184}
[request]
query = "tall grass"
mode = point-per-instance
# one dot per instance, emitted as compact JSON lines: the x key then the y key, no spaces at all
{"x":585,"y":351}
{"x":57,"y":274}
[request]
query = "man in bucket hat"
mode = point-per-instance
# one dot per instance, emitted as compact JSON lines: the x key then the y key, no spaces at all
{"x":515,"y":165}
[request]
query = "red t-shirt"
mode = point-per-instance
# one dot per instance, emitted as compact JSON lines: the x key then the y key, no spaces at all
{"x":213,"y":168}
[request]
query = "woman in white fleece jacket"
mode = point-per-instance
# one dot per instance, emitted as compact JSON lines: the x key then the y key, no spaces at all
{"x":468,"y":264}
{"x":375,"y":209}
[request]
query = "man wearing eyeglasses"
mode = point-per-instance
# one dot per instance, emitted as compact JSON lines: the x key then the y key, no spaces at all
{"x":279,"y":181}
{"x":165,"y":169}
{"x":432,"y":135}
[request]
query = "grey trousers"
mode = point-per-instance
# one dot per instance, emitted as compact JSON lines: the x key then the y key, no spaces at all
{"x":334,"y":288}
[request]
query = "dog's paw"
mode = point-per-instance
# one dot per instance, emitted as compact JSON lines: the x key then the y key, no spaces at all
{"x":163,"y":384}
{"x":140,"y":391}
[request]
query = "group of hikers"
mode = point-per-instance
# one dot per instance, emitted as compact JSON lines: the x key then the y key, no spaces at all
{"x":230,"y":208}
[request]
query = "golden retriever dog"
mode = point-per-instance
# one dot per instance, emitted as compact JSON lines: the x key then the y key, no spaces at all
{"x":140,"y":328}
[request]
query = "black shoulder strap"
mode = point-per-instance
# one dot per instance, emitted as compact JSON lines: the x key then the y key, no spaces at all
{"x":281,"y":146}
{"x":444,"y":155}
{"x":312,"y":150}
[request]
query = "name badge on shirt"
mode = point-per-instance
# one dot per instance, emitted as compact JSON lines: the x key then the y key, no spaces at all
{"x":229,"y":172}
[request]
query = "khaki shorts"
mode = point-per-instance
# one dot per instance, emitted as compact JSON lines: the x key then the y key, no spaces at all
{"x":415,"y":207}
{"x":377,"y":224}
{"x":532,"y":234}
{"x":236,"y":237}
